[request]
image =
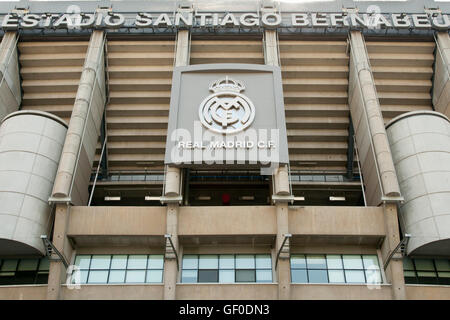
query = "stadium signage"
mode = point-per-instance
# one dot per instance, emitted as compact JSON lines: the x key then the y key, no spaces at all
{"x":226,"y":114}
{"x":112,"y":20}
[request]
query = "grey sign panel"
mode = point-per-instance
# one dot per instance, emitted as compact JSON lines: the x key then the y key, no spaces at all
{"x":226,"y":114}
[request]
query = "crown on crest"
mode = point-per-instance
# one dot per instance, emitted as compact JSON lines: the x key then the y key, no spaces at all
{"x":227,"y":84}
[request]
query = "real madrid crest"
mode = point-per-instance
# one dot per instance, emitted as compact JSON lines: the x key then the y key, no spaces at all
{"x":226,"y":111}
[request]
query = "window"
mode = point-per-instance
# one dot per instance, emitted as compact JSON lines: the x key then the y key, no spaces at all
{"x":335,"y":268}
{"x":426,"y":271}
{"x":118,"y":268}
{"x":226,"y":268}
{"x":24,"y":271}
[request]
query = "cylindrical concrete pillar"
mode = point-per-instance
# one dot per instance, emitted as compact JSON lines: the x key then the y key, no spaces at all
{"x":30,"y":147}
{"x":420,"y":143}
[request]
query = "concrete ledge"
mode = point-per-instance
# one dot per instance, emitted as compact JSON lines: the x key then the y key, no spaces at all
{"x":339,"y":292}
{"x":23,"y":292}
{"x":232,"y":291}
{"x":427,"y":292}
{"x":115,"y":292}
{"x":239,"y":220}
{"x":117,"y":221}
{"x":358,"y":225}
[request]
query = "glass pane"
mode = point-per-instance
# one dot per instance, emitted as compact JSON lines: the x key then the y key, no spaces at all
{"x":135,"y":276}
{"x":226,"y":261}
{"x":245,"y":276}
{"x":426,"y":274}
{"x":263,"y":275}
{"x":245,"y":261}
{"x":226,"y":276}
{"x":155,"y":261}
{"x":154,"y":276}
{"x":44,"y":264}
{"x":299,"y":276}
{"x":409,"y":273}
{"x":263,"y":261}
{"x":370,"y":261}
{"x":100,"y":262}
{"x":9,"y":265}
{"x":424,"y":264}
{"x":444,"y":274}
{"x":117,"y":276}
{"x":316,"y":262}
{"x":410,"y":280}
{"x":98,"y":277}
{"x":334,"y":261}
{"x":189,"y":276}
{"x":190,"y":262}
{"x":28,"y":264}
{"x":298,"y":262}
{"x":83,"y":261}
{"x":119,"y":261}
{"x":442,"y":265}
{"x":137,"y":261}
{"x":79,"y":277}
{"x":354,"y":276}
{"x":373,"y":276}
{"x":336,"y":276}
{"x":407,"y":264}
{"x":208,"y":276}
{"x":318,"y":276}
{"x":352,"y":262}
{"x":208,"y":261}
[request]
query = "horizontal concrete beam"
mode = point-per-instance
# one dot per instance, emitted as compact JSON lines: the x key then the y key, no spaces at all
{"x":23,"y":292}
{"x":223,"y":291}
{"x":117,"y":221}
{"x":427,"y":292}
{"x":115,"y":292}
{"x":239,"y":220}
{"x":336,"y":221}
{"x":339,"y":292}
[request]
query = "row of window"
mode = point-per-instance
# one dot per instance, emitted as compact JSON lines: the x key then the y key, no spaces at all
{"x":225,"y":268}
{"x":426,"y":271}
{"x":24,"y":271}
{"x":118,"y":268}
{"x":335,"y":268}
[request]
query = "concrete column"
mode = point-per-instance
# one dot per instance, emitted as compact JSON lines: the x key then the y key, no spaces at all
{"x":394,"y":271}
{"x":283,"y":269}
{"x":441,"y":78}
{"x":84,"y":127}
{"x":57,"y":273}
{"x":271,"y":48}
{"x":170,"y":264}
{"x":10,"y":89}
{"x":281,"y":189}
{"x":374,"y":151}
{"x":172,"y":191}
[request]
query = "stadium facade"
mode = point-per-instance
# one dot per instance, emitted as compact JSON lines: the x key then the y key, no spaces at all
{"x":225,"y":150}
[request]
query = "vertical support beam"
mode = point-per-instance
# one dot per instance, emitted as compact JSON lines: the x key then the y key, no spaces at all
{"x":57,"y":273}
{"x":172,"y":190}
{"x":441,"y":77}
{"x":394,"y":271}
{"x":72,"y":178}
{"x":350,"y":149}
{"x":10,"y":89}
{"x":282,"y":188}
{"x":373,"y":145}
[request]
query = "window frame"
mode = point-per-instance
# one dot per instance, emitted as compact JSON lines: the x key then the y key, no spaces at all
{"x":17,"y":274}
{"x":234,"y":269}
{"x":437,"y":281}
{"x":327,"y":268}
{"x":147,"y":269}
